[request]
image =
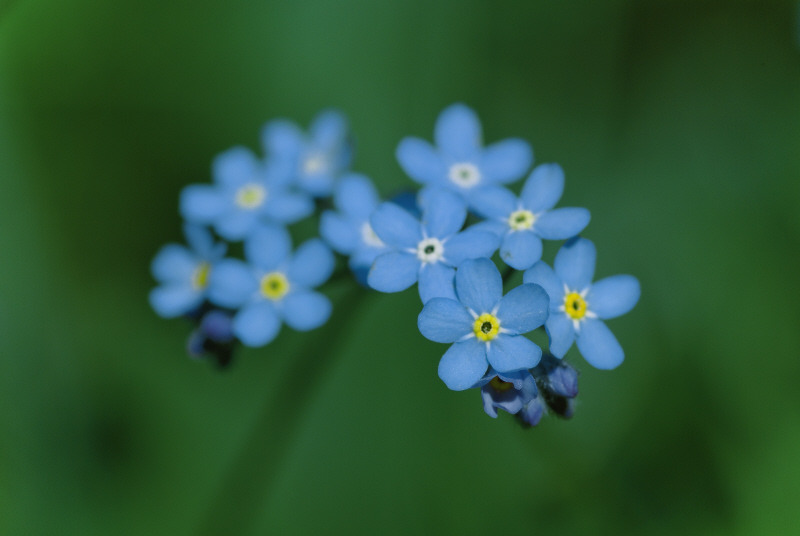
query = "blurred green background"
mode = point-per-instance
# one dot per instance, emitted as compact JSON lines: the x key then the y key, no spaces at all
{"x":678,"y":126}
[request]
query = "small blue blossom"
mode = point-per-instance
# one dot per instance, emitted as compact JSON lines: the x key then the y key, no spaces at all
{"x":216,"y":327}
{"x":183,"y":273}
{"x":532,"y":412}
{"x":315,"y":159}
{"x":459,"y":161}
{"x":274,"y":286}
{"x":426,"y":251}
{"x":246,"y":192}
{"x":523,"y":222}
{"x":485,"y":326}
{"x":578,"y":307}
{"x":348,"y":231}
{"x":509,"y":391}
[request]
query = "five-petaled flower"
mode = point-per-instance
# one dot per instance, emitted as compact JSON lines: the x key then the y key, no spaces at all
{"x":184,"y":273}
{"x":459,"y":161}
{"x":523,"y":222}
{"x":274,"y":286}
{"x":485,"y":326}
{"x":316,"y":159}
{"x":348,"y":231}
{"x":246,"y":193}
{"x":578,"y":307}
{"x":426,"y":251}
{"x":508,"y":391}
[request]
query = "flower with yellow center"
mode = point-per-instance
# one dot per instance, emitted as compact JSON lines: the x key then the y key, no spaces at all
{"x":274,"y":286}
{"x":200,"y":276}
{"x":486,"y":327}
{"x":520,"y":220}
{"x":499,"y":385}
{"x":251,"y":196}
{"x":575,"y":307}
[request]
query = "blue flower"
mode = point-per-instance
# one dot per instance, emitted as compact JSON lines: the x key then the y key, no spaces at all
{"x":245,"y":193}
{"x":274,"y":286}
{"x":316,"y":159}
{"x":523,"y":222}
{"x":485,"y":326}
{"x":459,"y":161}
{"x":184,"y":273}
{"x":578,"y":307}
{"x":509,"y":391}
{"x":426,"y":251}
{"x":348,"y":231}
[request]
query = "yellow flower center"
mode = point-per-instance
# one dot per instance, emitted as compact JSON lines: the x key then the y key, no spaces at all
{"x":521,"y":220}
{"x":499,"y":385}
{"x":251,"y":196}
{"x":486,"y":327}
{"x":574,"y":305}
{"x":274,"y":286}
{"x":200,"y":276}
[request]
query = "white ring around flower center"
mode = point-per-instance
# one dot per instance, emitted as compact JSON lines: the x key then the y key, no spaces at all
{"x":430,"y":250}
{"x":519,"y":220}
{"x":464,"y":174}
{"x":369,"y":237}
{"x":314,"y":163}
{"x":251,"y":196}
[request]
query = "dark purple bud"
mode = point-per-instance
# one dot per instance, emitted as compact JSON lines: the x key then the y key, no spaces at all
{"x":217,"y":326}
{"x":562,"y":381}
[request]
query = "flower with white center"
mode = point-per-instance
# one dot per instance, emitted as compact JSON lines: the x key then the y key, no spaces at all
{"x":578,"y":306}
{"x":427,"y":251}
{"x":183,"y":273}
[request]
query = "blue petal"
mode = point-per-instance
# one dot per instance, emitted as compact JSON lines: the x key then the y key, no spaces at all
{"x":494,"y":202}
{"x":560,"y":332}
{"x":544,"y":276}
{"x":288,"y":207}
{"x":232,"y":283}
{"x":174,"y":300}
{"x":463,"y":364}
{"x":470,"y":245}
{"x":458,"y":132}
{"x":257,"y":324}
{"x":356,"y":196}
{"x":395,"y":227}
{"x":444,"y":320}
{"x":444,"y":213}
{"x":312,"y":264}
{"x":329,"y":129}
{"x":575,"y":262}
{"x":318,"y":185}
{"x":496,"y":227}
{"x":202,"y":203}
{"x":365,"y":255}
{"x":613,"y":296}
{"x":598,"y":345}
{"x":528,"y":391}
{"x":394,"y":271}
{"x":339,"y":232}
{"x":268,"y":246}
{"x":506,"y":161}
{"x":532,"y":411}
{"x":488,"y":404}
{"x":436,"y":281}
{"x":523,"y":309}
{"x":562,"y":223}
{"x":479,"y":285}
{"x":235,"y":166}
{"x":283,"y":138}
{"x":306,"y":310}
{"x":543,"y":188}
{"x":521,"y":249}
{"x":236,"y":224}
{"x":421,"y":161}
{"x":200,"y":240}
{"x":513,"y":352}
{"x":174,"y":264}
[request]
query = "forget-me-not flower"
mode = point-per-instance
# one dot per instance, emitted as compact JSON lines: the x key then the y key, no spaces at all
{"x":426,"y":251}
{"x":315,"y":159}
{"x":183,"y":273}
{"x":485,"y":326}
{"x":348,"y":231}
{"x":523,"y":222}
{"x":274,"y":286}
{"x":509,"y":391}
{"x":245,"y":193}
{"x":578,"y":307}
{"x":459,"y":161}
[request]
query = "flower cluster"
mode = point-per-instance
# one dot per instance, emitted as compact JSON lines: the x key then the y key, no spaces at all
{"x":451,"y":239}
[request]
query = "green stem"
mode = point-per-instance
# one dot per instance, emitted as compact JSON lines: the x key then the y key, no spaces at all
{"x":242,"y":492}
